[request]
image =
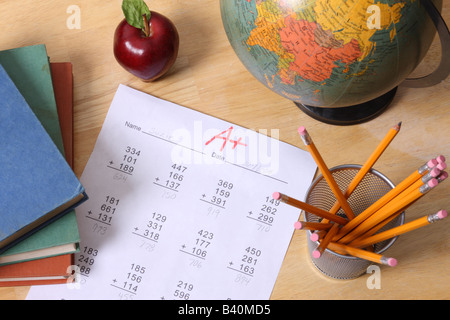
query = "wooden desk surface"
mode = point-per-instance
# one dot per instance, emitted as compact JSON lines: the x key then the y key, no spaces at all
{"x":208,"y":77}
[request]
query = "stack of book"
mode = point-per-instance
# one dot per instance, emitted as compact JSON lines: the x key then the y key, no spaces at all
{"x":38,"y":188}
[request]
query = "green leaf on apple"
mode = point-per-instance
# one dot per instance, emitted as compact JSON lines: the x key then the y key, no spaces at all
{"x":134,"y":11}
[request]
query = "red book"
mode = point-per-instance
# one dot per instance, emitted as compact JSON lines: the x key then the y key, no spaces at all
{"x":63,"y":87}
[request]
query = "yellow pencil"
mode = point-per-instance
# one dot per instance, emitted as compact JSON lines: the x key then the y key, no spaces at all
{"x":305,"y":225}
{"x":388,"y":210}
{"x":309,"y":208}
{"x":326,"y":172}
{"x":354,"y":183}
{"x":325,"y":241}
{"x":363,"y":254}
{"x":376,"y":154}
{"x":316,"y":236}
{"x":433,"y":173}
{"x":415,"y":224}
{"x":402,"y":186}
{"x":380,"y":225}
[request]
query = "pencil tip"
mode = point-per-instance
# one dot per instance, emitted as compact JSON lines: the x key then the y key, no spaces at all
{"x":397,"y":126}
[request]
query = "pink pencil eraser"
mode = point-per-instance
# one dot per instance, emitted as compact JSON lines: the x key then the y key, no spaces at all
{"x":443,"y":176}
{"x":276,"y":195}
{"x":316,"y":254}
{"x":435,"y":172}
{"x":441,"y":166}
{"x":302,"y":131}
{"x":432,"y":163}
{"x":433,"y":183}
{"x":442,"y":214}
{"x":441,"y":158}
{"x":314,"y":237}
{"x":298,"y":225}
{"x":392,"y":262}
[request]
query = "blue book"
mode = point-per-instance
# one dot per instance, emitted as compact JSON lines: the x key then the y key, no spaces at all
{"x":37,"y":185}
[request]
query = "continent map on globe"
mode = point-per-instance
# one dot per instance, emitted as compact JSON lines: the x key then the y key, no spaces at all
{"x":331,"y":53}
{"x":322,"y":36}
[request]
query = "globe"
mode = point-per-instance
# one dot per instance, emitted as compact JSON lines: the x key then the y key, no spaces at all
{"x":340,"y":61}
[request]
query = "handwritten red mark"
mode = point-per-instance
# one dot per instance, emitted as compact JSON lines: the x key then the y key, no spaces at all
{"x":227,"y":139}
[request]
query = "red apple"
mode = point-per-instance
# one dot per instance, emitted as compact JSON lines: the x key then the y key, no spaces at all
{"x":147,"y":57}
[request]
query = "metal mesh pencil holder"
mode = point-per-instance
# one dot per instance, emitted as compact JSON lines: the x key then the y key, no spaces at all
{"x":371,"y":188}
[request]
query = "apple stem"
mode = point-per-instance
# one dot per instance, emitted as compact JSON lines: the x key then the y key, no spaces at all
{"x":147,"y":27}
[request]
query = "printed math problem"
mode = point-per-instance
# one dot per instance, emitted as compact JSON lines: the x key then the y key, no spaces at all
{"x":174,"y":179}
{"x":158,"y":225}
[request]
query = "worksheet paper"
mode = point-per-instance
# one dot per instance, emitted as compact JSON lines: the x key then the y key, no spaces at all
{"x":180,"y":207}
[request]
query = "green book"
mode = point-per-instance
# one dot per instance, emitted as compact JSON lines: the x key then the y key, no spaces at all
{"x":29,"y":69}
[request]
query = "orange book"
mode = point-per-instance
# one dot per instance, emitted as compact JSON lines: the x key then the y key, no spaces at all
{"x":53,"y":270}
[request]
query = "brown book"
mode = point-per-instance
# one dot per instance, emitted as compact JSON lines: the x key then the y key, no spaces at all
{"x":63,"y":87}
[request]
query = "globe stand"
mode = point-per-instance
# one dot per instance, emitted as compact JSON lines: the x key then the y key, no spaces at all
{"x":353,"y":114}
